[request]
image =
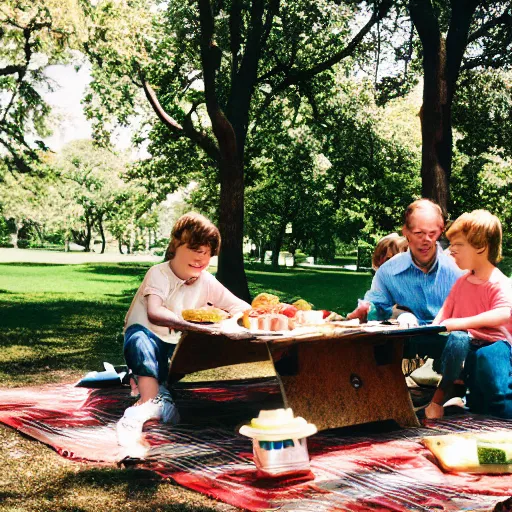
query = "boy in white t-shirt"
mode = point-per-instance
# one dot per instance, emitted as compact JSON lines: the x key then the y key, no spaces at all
{"x":181,"y":282}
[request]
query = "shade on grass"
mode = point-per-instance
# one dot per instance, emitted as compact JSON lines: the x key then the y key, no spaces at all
{"x":58,"y":321}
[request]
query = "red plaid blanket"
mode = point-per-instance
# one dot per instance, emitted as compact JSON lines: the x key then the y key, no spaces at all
{"x":352,"y":469}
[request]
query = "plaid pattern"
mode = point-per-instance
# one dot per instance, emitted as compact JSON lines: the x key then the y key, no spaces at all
{"x":353,"y":469}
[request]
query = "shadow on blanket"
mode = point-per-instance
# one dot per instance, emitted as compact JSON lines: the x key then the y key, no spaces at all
{"x":355,"y":469}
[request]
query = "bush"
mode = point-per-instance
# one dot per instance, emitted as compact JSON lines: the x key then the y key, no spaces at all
{"x":5,"y":233}
{"x":505,"y":265}
{"x":300,"y":257}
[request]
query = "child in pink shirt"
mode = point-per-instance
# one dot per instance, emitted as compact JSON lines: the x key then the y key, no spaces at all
{"x":477,"y":312}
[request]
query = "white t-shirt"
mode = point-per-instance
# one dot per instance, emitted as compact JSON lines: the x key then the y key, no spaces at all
{"x":160,"y":280}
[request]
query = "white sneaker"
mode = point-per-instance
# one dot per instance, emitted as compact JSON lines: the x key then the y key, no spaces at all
{"x":162,"y":407}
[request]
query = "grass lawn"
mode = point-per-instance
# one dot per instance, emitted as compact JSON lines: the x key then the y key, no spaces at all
{"x":60,"y":321}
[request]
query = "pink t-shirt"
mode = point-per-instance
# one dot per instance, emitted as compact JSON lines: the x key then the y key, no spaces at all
{"x":470,"y":299}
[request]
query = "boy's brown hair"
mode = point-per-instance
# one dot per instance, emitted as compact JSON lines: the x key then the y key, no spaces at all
{"x":482,"y":229}
{"x":393,"y":242}
{"x":194,"y":230}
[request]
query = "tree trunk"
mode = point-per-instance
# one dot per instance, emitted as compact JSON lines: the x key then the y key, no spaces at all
{"x":276,"y":247}
{"x":131,"y":241}
{"x":436,"y":132}
{"x":88,"y":235}
{"x":102,"y":234}
{"x":15,"y":236}
{"x":120,"y":245}
{"x":262,"y":249}
{"x":231,"y":221}
{"x":442,"y":59}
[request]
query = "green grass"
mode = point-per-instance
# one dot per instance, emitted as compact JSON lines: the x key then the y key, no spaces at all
{"x":326,"y":289}
{"x":59,"y":321}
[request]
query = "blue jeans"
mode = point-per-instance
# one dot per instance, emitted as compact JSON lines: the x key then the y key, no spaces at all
{"x":458,"y":346}
{"x":146,"y":354}
{"x":430,"y":345}
{"x":488,"y":374}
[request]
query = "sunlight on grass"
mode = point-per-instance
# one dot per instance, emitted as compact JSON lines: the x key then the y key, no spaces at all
{"x":67,"y":319}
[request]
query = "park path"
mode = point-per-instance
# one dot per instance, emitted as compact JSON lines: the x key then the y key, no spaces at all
{"x":73,"y":258}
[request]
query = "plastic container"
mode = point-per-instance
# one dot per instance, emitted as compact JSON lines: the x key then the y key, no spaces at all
{"x":279,"y":443}
{"x":280,"y":458}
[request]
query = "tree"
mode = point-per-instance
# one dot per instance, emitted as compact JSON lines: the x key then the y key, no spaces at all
{"x":455,"y":36}
{"x":33,"y":35}
{"x":35,"y":201}
{"x":95,"y":176}
{"x":244,"y":54}
{"x":482,"y":174}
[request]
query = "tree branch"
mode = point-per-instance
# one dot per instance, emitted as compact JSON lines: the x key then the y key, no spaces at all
{"x":11,"y":70}
{"x":505,"y":19}
{"x":272,"y":11}
{"x":211,"y":58}
{"x":187,"y":130}
{"x":235,"y":28}
{"x":425,"y":21}
{"x":296,"y":76}
{"x":456,"y":40}
{"x":484,"y":61}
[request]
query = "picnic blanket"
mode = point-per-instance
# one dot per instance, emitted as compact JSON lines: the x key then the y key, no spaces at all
{"x":353,"y":469}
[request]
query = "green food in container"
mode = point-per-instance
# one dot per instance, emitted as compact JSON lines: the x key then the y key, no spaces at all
{"x":494,"y":453}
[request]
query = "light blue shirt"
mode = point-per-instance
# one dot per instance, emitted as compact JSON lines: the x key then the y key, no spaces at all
{"x":399,"y":281}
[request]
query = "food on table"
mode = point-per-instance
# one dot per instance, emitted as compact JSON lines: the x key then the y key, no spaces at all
{"x":265,"y":300}
{"x":309,"y":316}
{"x":288,"y":310}
{"x":265,"y":321}
{"x":269,"y":314}
{"x":212,"y":315}
{"x":302,"y":304}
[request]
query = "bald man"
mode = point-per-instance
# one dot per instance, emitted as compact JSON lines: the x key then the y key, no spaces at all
{"x":418,"y":280}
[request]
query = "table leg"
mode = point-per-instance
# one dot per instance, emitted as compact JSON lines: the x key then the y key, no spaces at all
{"x":337,"y":383}
{"x":198,"y":351}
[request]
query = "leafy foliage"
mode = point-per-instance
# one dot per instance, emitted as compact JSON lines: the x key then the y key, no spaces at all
{"x":33,"y":34}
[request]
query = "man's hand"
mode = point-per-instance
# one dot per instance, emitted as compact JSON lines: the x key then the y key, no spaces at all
{"x":361,"y":312}
{"x":455,"y":324}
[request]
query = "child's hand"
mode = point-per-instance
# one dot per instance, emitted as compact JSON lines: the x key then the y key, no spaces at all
{"x":454,"y":324}
{"x":406,"y":320}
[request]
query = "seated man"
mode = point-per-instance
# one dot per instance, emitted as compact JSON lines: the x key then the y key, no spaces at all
{"x":418,"y":280}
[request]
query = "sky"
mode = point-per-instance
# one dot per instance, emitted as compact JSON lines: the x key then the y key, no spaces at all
{"x":69,"y":88}
{"x":71,"y":123}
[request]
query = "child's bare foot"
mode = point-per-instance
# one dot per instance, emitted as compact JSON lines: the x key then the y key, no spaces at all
{"x":434,"y":411}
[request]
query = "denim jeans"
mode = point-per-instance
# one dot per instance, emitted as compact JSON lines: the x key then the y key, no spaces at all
{"x":451,"y":364}
{"x":146,"y":354}
{"x":431,"y":345}
{"x":488,"y":374}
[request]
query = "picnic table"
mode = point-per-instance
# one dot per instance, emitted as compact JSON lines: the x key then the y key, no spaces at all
{"x":333,"y":376}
